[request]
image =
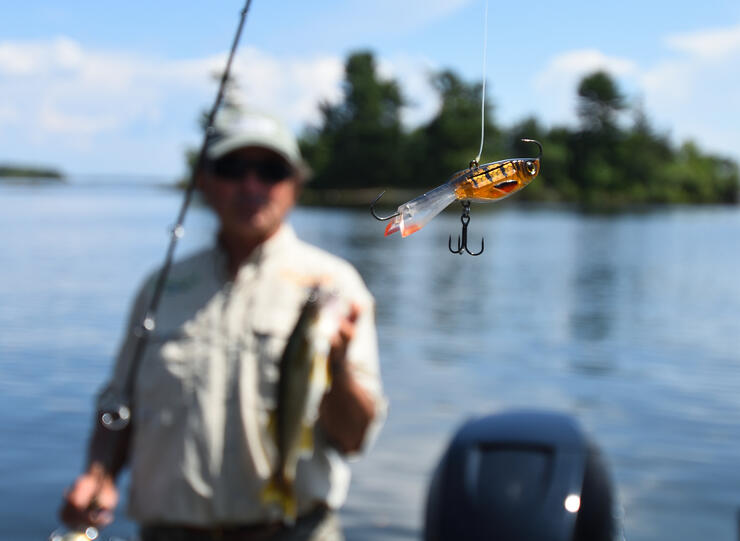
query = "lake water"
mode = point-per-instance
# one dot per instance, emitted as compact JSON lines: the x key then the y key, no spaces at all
{"x":629,"y":322}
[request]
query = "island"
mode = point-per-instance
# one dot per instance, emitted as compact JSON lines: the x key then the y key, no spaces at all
{"x":22,"y":173}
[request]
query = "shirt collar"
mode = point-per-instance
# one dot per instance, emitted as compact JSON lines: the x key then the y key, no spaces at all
{"x":279,"y":242}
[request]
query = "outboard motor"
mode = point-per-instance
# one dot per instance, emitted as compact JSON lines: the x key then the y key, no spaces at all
{"x":521,"y":476}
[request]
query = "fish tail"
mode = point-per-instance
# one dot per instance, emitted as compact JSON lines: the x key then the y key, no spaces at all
{"x":419,"y":211}
{"x":279,"y":490}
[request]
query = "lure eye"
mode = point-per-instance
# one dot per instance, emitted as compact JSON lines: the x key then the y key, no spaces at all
{"x":531,"y":168}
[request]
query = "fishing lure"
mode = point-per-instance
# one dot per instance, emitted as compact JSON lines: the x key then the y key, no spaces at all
{"x":488,"y":182}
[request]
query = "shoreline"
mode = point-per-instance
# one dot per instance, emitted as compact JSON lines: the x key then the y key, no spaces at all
{"x":30,"y":180}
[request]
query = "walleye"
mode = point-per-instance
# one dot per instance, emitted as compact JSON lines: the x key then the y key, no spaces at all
{"x":303,"y":381}
{"x":487,"y":182}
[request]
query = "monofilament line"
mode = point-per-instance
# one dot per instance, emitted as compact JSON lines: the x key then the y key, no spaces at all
{"x":483,"y":87}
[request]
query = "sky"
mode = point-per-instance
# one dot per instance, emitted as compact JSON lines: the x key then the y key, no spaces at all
{"x":115,"y":88}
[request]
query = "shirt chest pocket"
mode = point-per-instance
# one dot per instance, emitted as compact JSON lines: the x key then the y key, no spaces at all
{"x":169,"y":372}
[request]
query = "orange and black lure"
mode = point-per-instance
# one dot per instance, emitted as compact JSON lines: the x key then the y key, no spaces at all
{"x":488,"y":182}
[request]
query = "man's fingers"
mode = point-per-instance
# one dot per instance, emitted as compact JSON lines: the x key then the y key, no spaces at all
{"x":346,"y":329}
{"x":107,"y":497}
{"x":342,"y":338}
{"x":354,"y":312}
{"x":82,"y":492}
{"x":347,"y":325}
{"x":89,"y":502}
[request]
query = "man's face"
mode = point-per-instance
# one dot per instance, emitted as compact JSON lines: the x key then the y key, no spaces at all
{"x":251,"y":190}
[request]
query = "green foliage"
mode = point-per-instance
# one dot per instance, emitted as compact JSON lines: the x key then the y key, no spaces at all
{"x":694,"y":177}
{"x":599,"y":102}
{"x":605,"y":163}
{"x":452,"y":138}
{"x":360,"y":141}
{"x":228,"y":101}
{"x":21,"y":171}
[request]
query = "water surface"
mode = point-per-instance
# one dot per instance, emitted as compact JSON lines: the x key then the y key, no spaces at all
{"x":629,"y":322}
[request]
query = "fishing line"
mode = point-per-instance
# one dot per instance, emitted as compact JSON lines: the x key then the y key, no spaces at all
{"x":483,"y":89}
{"x":116,"y":407}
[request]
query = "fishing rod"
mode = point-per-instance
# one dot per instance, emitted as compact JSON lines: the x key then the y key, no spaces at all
{"x":115,"y":412}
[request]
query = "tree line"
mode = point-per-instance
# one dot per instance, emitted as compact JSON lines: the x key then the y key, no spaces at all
{"x":612,"y":158}
{"x":24,"y":171}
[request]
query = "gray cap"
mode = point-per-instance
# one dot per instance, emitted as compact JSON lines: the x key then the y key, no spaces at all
{"x":234,"y":129}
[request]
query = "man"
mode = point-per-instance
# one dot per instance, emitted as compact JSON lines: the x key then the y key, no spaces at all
{"x":208,"y":378}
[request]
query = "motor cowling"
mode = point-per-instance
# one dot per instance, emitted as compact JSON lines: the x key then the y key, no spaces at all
{"x":521,"y":476}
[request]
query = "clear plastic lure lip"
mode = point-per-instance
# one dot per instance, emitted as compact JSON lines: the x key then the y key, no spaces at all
{"x":488,"y":182}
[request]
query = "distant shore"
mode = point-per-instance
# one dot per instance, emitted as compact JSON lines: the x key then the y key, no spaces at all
{"x":357,"y":197}
{"x":23,"y":174}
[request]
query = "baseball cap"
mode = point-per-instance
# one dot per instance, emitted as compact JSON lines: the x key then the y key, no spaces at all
{"x":235,"y":128}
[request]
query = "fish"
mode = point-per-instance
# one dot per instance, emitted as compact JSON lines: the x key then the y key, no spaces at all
{"x":488,"y":182}
{"x":304,"y":378}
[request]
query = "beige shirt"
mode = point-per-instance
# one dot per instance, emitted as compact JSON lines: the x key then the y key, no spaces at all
{"x":200,"y":451}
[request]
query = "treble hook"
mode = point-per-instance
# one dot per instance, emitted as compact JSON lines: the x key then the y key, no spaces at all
{"x":462,"y":245}
{"x":381,"y":218}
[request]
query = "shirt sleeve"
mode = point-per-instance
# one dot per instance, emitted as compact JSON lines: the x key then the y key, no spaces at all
{"x":364,"y":364}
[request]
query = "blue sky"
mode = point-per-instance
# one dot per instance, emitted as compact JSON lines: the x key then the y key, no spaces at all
{"x":115,"y":88}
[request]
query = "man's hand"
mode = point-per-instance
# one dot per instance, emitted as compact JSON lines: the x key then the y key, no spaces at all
{"x":347,"y":409}
{"x":340,"y":341}
{"x":90,"y":501}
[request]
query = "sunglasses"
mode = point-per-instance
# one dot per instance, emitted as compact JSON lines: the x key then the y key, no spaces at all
{"x":235,"y":169}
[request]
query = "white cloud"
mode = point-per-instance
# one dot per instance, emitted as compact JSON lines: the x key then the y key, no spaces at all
{"x":717,"y":43}
{"x":92,"y":110}
{"x":290,"y":88}
{"x":57,"y":89}
{"x":695,"y":94}
{"x":707,"y":64}
{"x":690,"y":94}
{"x":556,"y":85}
{"x":412,"y":74}
{"x":574,"y":63}
{"x":33,"y":58}
{"x":54,"y":121}
{"x":63,"y":101}
{"x":74,"y":104}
